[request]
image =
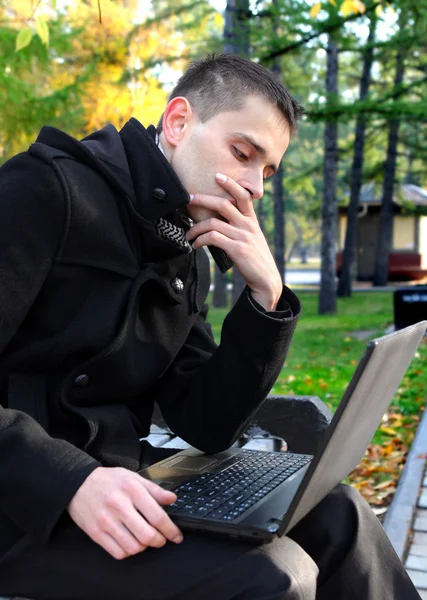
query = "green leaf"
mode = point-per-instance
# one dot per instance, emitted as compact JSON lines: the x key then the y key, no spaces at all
{"x":42,"y":30}
{"x":23,"y":38}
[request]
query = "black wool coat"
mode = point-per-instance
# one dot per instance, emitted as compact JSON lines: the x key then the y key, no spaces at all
{"x":102,"y":313}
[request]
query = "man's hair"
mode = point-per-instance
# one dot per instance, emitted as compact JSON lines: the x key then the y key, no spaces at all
{"x":222,"y":82}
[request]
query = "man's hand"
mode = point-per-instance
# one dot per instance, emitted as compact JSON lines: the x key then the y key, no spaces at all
{"x":119,"y":510}
{"x":240,"y":236}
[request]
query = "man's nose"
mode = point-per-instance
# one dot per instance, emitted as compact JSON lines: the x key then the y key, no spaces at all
{"x":255,"y":187}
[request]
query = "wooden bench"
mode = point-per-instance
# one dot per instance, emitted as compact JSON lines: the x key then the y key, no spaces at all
{"x":294,"y":423}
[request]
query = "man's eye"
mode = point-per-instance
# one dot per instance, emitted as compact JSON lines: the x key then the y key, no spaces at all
{"x":239,"y":154}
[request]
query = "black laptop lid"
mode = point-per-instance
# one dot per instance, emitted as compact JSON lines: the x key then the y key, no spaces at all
{"x":356,"y":420}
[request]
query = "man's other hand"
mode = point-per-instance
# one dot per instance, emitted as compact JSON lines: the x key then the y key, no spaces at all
{"x":120,"y":511}
{"x":236,"y":231}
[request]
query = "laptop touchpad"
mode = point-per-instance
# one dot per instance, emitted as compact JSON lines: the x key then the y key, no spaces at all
{"x":191,"y":463}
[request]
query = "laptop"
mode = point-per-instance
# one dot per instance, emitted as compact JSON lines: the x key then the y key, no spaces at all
{"x":254,"y":495}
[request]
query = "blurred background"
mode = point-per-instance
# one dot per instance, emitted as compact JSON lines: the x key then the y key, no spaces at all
{"x":350,"y":200}
{"x":347,"y":210}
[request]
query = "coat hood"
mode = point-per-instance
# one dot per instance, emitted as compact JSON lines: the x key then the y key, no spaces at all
{"x":131,"y":162}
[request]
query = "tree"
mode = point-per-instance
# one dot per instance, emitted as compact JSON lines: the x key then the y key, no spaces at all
{"x":386,"y":215}
{"x":236,"y":41}
{"x":279,"y":221}
{"x":33,"y":91}
{"x":279,"y":204}
{"x":327,"y":294}
{"x":79,"y":72}
{"x":344,"y":285}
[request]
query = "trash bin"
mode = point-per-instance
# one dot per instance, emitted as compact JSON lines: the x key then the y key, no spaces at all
{"x":410,"y":305}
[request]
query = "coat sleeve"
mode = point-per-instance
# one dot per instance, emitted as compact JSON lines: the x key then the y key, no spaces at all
{"x":38,"y":474}
{"x":210,"y":393}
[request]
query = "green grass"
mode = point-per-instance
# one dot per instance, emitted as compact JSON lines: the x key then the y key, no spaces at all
{"x":324,"y":355}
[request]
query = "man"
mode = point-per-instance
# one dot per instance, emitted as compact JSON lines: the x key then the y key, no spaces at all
{"x":104,"y":280}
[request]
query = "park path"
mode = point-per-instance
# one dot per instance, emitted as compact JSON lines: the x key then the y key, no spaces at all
{"x":406,"y":520}
{"x":416,"y":559}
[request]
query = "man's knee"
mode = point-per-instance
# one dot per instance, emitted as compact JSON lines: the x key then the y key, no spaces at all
{"x":347,"y":498}
{"x":282,"y":570}
{"x":340,"y":515}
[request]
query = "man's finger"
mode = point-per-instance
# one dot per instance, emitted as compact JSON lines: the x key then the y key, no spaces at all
{"x":214,"y":238}
{"x":157,"y":492}
{"x":220,"y":205}
{"x":156,"y":516}
{"x":242,"y":196}
{"x":113,"y":548}
{"x":214,"y":224}
{"x":134,"y":533}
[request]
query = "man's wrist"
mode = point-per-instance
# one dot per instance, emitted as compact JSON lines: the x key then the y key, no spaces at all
{"x":268,"y":299}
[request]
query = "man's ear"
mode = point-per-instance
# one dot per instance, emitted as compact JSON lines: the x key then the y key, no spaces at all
{"x":176,"y":119}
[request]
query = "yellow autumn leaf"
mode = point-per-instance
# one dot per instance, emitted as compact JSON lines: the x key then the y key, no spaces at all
{"x":218,"y":20}
{"x":332,"y":2}
{"x":359,"y":6}
{"x":359,"y":484}
{"x":388,"y":450}
{"x":388,"y":430}
{"x":315,"y":10}
{"x":348,"y":8}
{"x":42,"y":30}
{"x":379,"y":10}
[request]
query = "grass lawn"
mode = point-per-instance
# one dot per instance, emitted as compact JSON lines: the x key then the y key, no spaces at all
{"x":322,"y":358}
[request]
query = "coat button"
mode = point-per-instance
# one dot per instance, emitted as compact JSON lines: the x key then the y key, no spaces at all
{"x":177,"y":285}
{"x":159,"y":195}
{"x":81,"y":381}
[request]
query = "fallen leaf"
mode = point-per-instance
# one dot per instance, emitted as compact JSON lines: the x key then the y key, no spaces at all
{"x":384,"y":484}
{"x":389,"y":431}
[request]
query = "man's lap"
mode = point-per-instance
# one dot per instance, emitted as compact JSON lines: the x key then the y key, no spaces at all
{"x":339,"y":533}
{"x":71,"y":566}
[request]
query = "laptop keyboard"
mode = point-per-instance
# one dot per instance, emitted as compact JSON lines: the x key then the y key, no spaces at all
{"x":227,"y":495}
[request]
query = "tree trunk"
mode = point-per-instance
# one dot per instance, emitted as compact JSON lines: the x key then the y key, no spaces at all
{"x":299,"y":244}
{"x":236,"y":30}
{"x":236,"y":41}
{"x":279,"y":222}
{"x":327,"y":295}
{"x":349,"y":254}
{"x":219,"y":298}
{"x":303,"y":254}
{"x":260,"y":212}
{"x":279,"y":205}
{"x":385,"y":232}
{"x":278,"y":199}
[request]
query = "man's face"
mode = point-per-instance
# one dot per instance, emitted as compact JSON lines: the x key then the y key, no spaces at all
{"x":246,"y":145}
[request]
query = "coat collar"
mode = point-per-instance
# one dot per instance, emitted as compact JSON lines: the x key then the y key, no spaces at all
{"x":133,"y":164}
{"x":158,"y":190}
{"x":159,"y":196}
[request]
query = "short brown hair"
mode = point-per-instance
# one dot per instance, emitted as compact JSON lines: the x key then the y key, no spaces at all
{"x":222,"y":82}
